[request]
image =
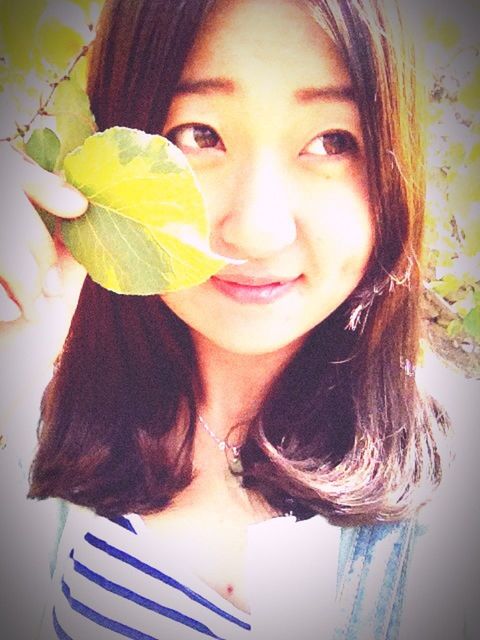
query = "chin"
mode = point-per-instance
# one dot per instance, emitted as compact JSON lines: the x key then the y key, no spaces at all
{"x":251,"y":342}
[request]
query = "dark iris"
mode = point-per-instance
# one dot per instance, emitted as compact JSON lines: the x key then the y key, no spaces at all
{"x":337,"y":142}
{"x":205,"y":137}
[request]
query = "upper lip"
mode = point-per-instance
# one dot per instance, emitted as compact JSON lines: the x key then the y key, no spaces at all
{"x":255,"y":281}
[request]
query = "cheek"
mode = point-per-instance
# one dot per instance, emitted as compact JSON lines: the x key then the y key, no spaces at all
{"x":356,"y":238}
{"x":341,"y":226}
{"x":219,"y":188}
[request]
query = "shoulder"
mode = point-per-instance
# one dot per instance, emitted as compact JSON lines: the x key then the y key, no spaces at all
{"x":89,"y":569}
{"x":90,"y":541}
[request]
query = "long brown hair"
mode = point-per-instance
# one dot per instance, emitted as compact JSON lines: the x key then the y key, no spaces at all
{"x":343,"y":429}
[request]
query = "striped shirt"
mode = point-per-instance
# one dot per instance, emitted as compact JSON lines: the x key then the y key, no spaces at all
{"x":113,"y":581}
{"x":307,"y":580}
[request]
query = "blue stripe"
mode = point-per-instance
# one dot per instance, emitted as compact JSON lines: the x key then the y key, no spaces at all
{"x":123,"y":522}
{"x":159,"y":575}
{"x":141,"y":600}
{"x":58,"y":629}
{"x":101,"y":620}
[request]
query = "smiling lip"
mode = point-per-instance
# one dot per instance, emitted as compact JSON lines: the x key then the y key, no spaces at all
{"x":250,"y":290}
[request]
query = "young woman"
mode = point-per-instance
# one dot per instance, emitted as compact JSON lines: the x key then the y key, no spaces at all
{"x":255,"y":448}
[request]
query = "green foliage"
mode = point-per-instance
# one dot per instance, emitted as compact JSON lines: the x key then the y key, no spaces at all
{"x":453,"y":202}
{"x":44,"y":147}
{"x":58,"y":43}
{"x":471,"y":322}
{"x":73,"y":118}
{"x":39,"y":39}
{"x":145,"y":230}
{"x":18,"y":28}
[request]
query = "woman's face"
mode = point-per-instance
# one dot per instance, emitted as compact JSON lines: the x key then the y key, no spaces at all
{"x":265,"y":115}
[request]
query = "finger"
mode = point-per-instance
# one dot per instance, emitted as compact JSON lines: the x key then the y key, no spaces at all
{"x":9,"y":310}
{"x":50,"y":192}
{"x":46,"y":189}
{"x":24,"y":232}
{"x":43,"y":249}
{"x":21,"y":279}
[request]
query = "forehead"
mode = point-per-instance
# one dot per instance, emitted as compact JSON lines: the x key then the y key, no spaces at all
{"x":272,"y":41}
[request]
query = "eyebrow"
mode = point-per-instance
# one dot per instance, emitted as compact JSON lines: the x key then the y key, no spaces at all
{"x":206,"y":86}
{"x":326,"y":94}
{"x":226,"y":86}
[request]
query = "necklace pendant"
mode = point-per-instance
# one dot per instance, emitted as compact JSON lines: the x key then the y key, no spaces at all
{"x":222,"y":445}
{"x":235,"y":465}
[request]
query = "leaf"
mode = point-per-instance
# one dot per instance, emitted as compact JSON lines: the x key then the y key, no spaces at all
{"x":471,"y":322}
{"x":447,"y":286}
{"x":18,"y":24}
{"x":145,"y":230}
{"x":49,"y":220}
{"x":472,"y":240}
{"x":74,"y":120}
{"x":454,"y":327}
{"x":58,"y":42}
{"x":43,"y":146}
{"x":79,"y":73}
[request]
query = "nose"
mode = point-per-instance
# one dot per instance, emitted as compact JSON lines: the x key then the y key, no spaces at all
{"x":259,"y":221}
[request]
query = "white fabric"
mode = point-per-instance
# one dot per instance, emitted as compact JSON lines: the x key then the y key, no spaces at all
{"x":291,"y":569}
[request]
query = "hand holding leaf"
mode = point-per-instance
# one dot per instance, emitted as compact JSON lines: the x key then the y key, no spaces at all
{"x":145,"y":230}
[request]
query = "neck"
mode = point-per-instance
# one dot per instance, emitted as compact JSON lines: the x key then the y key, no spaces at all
{"x":234,"y":385}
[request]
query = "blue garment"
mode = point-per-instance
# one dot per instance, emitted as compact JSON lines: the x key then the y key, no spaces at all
{"x":371,"y":607}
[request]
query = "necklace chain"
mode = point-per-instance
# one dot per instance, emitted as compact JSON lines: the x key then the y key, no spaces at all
{"x":221,"y":444}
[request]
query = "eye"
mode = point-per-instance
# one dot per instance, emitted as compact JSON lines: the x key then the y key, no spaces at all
{"x":192,"y":138}
{"x":332,"y":143}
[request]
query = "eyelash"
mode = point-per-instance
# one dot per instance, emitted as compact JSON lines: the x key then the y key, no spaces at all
{"x":344,"y":139}
{"x":174,"y":134}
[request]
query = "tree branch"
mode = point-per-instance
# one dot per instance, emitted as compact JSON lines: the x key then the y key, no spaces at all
{"x":461,"y":352}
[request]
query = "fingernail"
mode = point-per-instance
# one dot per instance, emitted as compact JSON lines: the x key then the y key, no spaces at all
{"x":9,"y":310}
{"x":52,"y":283}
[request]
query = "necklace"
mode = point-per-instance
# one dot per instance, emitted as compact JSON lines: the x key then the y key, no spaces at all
{"x":221,"y":444}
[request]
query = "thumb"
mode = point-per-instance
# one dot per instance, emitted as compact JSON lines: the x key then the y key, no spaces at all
{"x":49,"y":191}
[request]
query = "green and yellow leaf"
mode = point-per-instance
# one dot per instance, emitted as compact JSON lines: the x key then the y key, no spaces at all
{"x":73,"y":118}
{"x":146,"y":230}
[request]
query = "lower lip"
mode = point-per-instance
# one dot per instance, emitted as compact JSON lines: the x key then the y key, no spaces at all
{"x":248,"y":294}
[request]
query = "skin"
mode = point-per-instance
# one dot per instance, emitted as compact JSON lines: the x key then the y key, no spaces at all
{"x":286,"y":193}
